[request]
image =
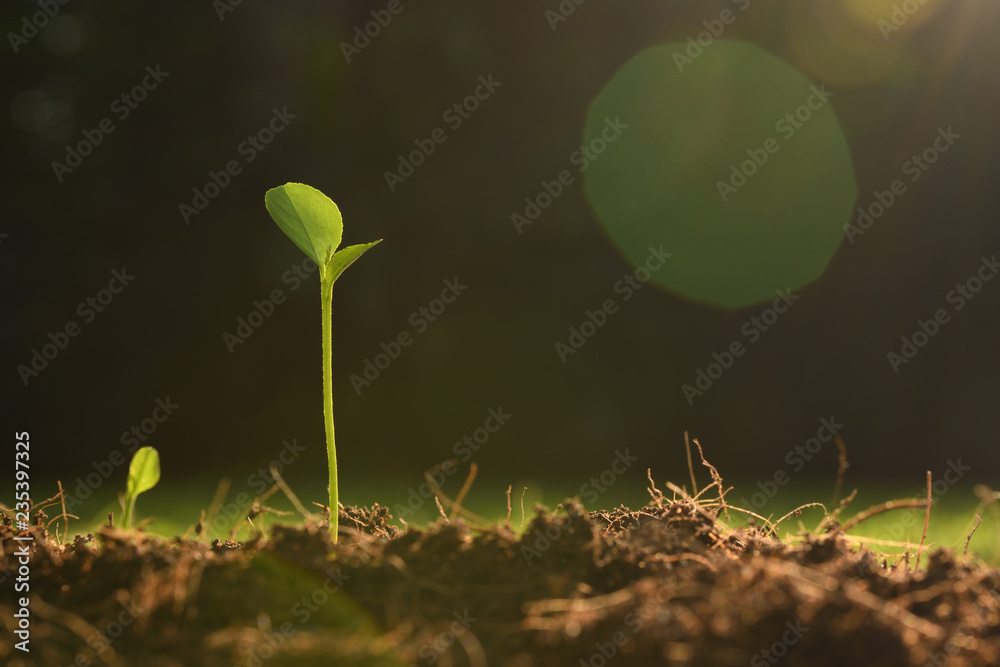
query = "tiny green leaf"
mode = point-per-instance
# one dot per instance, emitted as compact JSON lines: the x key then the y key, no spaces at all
{"x":143,"y":474}
{"x":309,"y":218}
{"x":144,"y":471}
{"x":344,"y":257}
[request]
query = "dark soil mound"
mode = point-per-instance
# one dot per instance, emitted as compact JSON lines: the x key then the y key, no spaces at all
{"x":665,"y":585}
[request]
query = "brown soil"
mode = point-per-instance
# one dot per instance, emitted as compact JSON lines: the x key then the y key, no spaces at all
{"x":669,"y":584}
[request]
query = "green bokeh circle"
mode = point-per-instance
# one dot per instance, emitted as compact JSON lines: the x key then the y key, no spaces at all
{"x":690,"y":121}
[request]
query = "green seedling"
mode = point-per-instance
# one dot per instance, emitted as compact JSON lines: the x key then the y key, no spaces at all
{"x":143,"y":474}
{"x":313,"y":222}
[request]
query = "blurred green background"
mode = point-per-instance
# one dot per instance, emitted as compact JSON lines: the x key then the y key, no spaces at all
{"x":339,"y":112}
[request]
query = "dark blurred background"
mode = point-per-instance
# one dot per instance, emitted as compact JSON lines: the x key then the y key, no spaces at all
{"x":227,"y":67}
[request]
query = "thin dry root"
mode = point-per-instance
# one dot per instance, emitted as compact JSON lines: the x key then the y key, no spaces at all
{"x":716,"y":477}
{"x":797,"y":510}
{"x":654,"y":492}
{"x":508,"y":504}
{"x":968,"y":538}
{"x":878,"y":509}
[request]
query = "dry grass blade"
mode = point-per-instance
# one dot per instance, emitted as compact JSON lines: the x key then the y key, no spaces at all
{"x":509,"y":487}
{"x":437,"y":501}
{"x":62,"y":499}
{"x":968,"y":538}
{"x":687,"y":446}
{"x":523,"y":491}
{"x":842,"y":466}
{"x":441,"y":497}
{"x":927,"y":519}
{"x":469,"y":479}
{"x":289,"y":494}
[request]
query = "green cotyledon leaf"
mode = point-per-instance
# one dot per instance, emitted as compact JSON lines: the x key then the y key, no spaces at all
{"x":309,"y":218}
{"x":143,"y":472}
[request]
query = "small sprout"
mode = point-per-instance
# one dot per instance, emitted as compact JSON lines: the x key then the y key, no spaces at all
{"x":143,"y":474}
{"x":313,"y":222}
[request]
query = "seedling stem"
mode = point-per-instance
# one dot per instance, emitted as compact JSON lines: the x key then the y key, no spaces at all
{"x":331,"y":441}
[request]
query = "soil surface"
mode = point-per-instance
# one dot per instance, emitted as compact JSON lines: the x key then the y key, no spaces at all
{"x":669,"y":584}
